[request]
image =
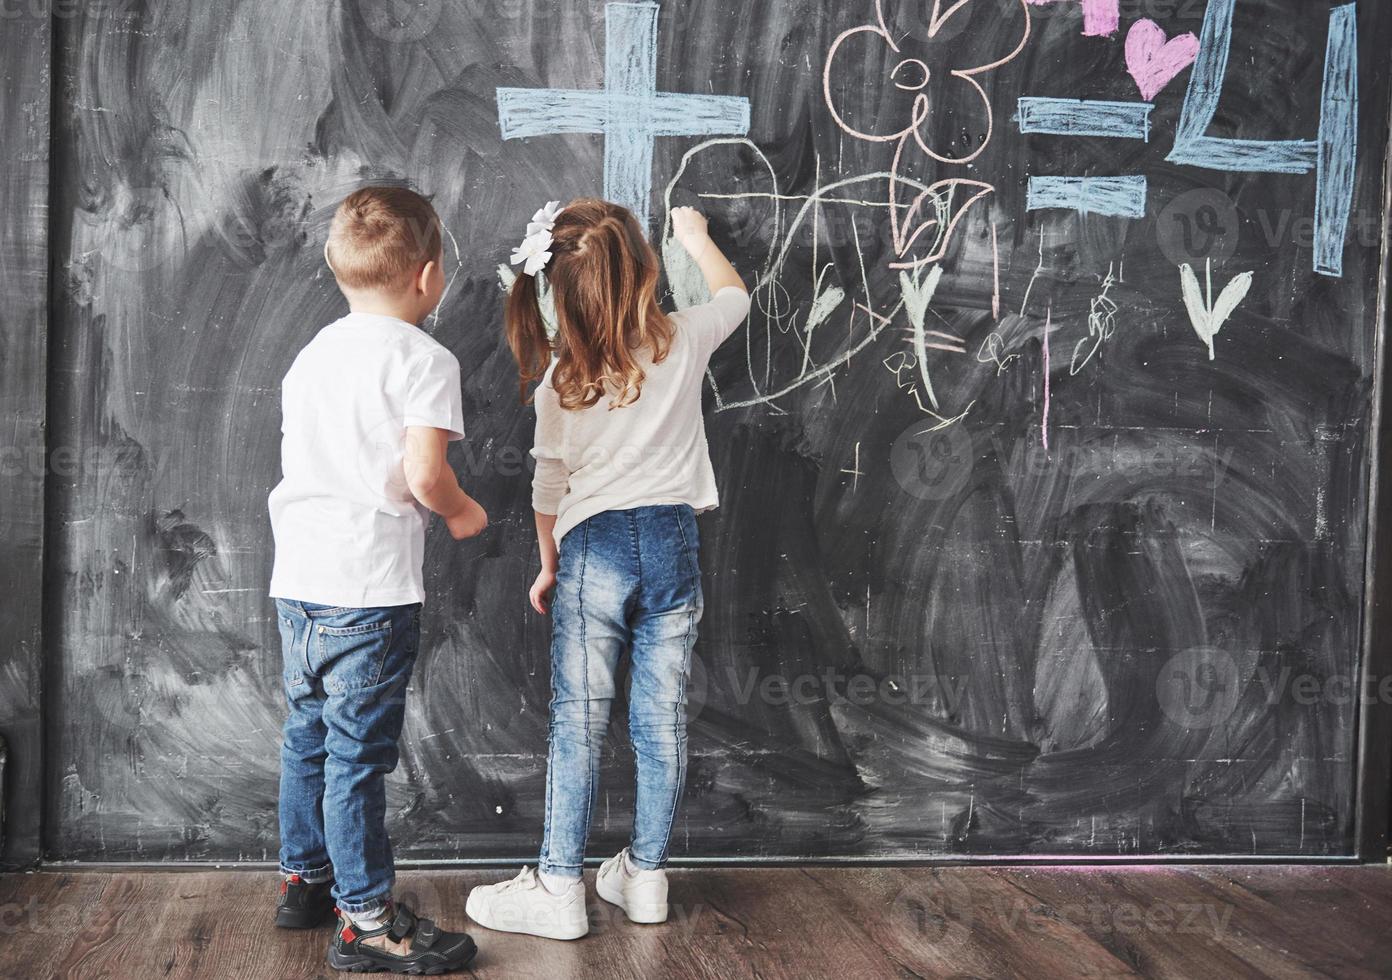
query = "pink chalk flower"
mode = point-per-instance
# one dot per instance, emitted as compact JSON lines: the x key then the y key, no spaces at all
{"x":911,"y":75}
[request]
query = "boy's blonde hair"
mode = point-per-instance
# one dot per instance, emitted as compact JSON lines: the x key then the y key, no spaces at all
{"x":381,"y":237}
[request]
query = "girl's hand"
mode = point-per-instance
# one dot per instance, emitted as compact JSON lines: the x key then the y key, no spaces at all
{"x":689,"y":228}
{"x":541,"y":591}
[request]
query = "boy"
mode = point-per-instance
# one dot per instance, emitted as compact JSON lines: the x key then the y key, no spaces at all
{"x":368,"y":407}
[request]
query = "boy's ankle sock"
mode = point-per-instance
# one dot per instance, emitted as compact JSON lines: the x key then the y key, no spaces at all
{"x":367,"y":921}
{"x":629,"y":868}
{"x":556,"y":884}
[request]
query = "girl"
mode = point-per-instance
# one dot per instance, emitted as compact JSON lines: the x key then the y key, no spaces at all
{"x":622,"y":471}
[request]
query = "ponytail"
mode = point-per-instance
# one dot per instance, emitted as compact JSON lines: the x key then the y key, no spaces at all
{"x":603,"y":281}
{"x":526,"y":333}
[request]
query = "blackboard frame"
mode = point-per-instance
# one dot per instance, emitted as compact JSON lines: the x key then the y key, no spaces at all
{"x":23,"y":608}
{"x":1374,"y":812}
{"x":25,"y":106}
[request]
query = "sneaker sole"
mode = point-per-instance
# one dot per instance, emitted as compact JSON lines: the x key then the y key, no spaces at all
{"x":647,"y":915}
{"x":474,"y":912}
{"x":363,"y":964}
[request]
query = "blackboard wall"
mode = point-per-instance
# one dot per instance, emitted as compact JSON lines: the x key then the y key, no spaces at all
{"x":24,"y":161}
{"x":1022,"y":551}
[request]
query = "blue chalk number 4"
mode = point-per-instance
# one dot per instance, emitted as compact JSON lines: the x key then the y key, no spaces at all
{"x":1332,"y":155}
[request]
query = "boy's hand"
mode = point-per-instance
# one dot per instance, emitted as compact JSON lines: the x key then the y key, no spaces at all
{"x":467,"y":523}
{"x":541,"y":591}
{"x":689,"y":228}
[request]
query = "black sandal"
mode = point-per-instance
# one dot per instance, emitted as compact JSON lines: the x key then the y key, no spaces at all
{"x":433,"y":950}
{"x":303,"y":905}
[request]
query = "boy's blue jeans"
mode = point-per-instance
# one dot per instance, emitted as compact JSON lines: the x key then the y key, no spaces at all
{"x":628,"y":580}
{"x":346,"y":672}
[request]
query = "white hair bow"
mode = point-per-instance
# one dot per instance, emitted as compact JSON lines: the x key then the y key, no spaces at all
{"x":535,"y":250}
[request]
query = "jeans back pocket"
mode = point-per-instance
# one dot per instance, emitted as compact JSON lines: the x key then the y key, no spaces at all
{"x":352,"y":657}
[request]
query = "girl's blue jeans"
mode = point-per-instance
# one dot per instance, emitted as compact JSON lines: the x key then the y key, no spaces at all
{"x":346,"y":671}
{"x":628,"y":581}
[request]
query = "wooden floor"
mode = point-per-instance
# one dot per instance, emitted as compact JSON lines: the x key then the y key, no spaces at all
{"x":798,"y":923}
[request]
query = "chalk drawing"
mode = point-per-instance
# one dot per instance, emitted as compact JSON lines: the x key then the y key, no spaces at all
{"x":1080,"y":117}
{"x":992,"y":351}
{"x":1152,"y":60}
{"x":995,"y":274}
{"x":1338,"y":141}
{"x":629,"y":111}
{"x":1101,"y":325}
{"x":1192,"y":146}
{"x":917,"y":295}
{"x":1207,"y":316}
{"x":1123,"y":197}
{"x":926,"y":212}
{"x":937,"y":214}
{"x":855,"y":472}
{"x":1101,"y":18}
{"x":914,"y":71}
{"x":1333,"y":154}
{"x":449,"y":283}
{"x":1044,"y":414}
{"x":904,"y":366}
{"x":921,"y":106}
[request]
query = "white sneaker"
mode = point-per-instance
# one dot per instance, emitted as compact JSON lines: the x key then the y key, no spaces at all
{"x":525,"y":905}
{"x":642,"y":894}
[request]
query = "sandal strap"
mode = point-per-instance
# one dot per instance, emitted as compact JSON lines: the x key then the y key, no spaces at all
{"x":426,"y":934}
{"x":352,"y":932}
{"x":404,"y":924}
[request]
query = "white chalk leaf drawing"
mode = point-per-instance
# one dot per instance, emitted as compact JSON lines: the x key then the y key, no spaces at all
{"x":918,"y":293}
{"x":1207,"y":316}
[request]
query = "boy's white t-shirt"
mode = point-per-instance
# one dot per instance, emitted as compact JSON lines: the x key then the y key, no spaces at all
{"x":348,"y":531}
{"x":650,"y":452}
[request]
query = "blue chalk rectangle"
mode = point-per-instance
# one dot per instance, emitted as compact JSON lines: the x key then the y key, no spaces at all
{"x":1122,"y":197}
{"x":1080,"y":117}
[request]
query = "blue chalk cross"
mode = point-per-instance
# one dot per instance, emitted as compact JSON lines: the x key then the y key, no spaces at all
{"x":629,"y":111}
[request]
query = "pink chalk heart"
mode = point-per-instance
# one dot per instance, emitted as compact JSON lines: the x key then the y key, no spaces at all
{"x":1154,"y":61}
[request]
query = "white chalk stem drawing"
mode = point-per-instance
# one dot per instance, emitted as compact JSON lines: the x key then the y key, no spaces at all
{"x":917,"y":296}
{"x":1207,"y":316}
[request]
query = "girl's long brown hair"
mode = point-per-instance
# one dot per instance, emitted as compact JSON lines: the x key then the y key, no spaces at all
{"x":603,"y":279}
